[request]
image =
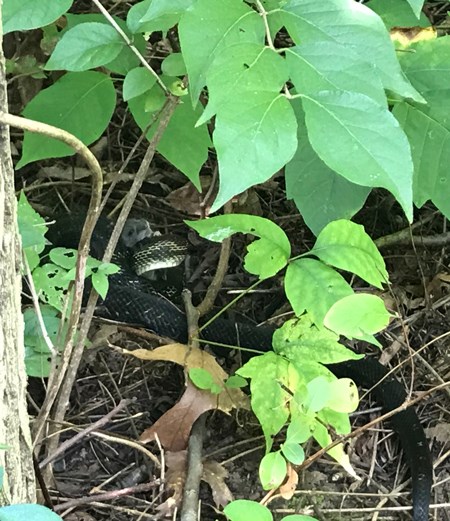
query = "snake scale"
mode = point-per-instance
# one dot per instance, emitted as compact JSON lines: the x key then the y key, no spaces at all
{"x":129,"y":301}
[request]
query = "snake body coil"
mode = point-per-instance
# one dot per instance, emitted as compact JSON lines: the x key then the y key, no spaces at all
{"x":128,"y":301}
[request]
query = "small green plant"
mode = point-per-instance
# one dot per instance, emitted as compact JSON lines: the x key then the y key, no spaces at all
{"x":44,"y":327}
{"x":290,"y":385}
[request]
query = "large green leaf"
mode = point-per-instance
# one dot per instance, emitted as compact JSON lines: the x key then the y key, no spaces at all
{"x":326,"y":65}
{"x":159,"y":8}
{"x":428,"y":68}
{"x":354,"y":26}
{"x":416,"y":6}
{"x":307,"y":278}
{"x":126,"y":59}
{"x":363,"y":142}
{"x":244,"y":509}
{"x":184,"y":145}
{"x":86,"y":46}
{"x":222,"y":24}
{"x":270,"y":376}
{"x":22,"y":15}
{"x":345,"y":245}
{"x":265,"y":256}
{"x":320,"y":194}
{"x":358,"y":316}
{"x":80,"y":102}
{"x":397,"y":14}
{"x":430,"y":145}
{"x":243,"y":69}
{"x":162,"y":22}
{"x":253,"y":141}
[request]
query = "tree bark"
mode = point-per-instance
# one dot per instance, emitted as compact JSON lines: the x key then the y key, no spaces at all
{"x":16,"y":460}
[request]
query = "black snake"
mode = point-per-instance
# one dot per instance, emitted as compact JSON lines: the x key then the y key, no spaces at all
{"x":128,"y":300}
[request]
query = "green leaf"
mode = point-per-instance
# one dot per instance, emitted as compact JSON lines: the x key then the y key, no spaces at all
{"x":161,"y":23}
{"x":306,"y":346}
{"x":64,"y":257}
{"x":32,"y":230}
{"x":299,"y":429}
{"x":325,"y":65}
{"x":364,"y":34}
{"x":32,"y":330}
{"x":126,"y":59}
{"x":158,"y":8}
{"x":272,"y":470}
{"x":270,"y":375}
{"x":80,"y":102}
{"x":236,"y":382}
{"x":344,"y":395}
{"x":243,"y":510}
{"x":100,"y":283}
{"x":107,"y":268}
{"x":173,"y":65}
{"x":266,"y":256}
{"x":256,"y":138}
{"x":137,"y":81}
{"x":416,"y":6}
{"x":347,"y":246}
{"x":320,"y":194}
{"x":358,"y":316}
{"x":427,"y":67}
{"x":21,"y":512}
{"x":307,"y":278}
{"x":86,"y":46}
{"x":51,"y":284}
{"x":397,"y":14}
{"x":293,"y":453}
{"x":22,"y":15}
{"x":203,"y":379}
{"x":183,"y":145}
{"x":430,"y":144}
{"x":319,"y":393}
{"x":223,"y":25}
{"x":364,"y":142}
{"x":244,"y":69}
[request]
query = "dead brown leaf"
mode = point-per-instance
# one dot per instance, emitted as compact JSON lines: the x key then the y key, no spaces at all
{"x":174,"y":426}
{"x":175,"y":480}
{"x":214,"y":474}
{"x":287,"y":489}
{"x":190,"y":358}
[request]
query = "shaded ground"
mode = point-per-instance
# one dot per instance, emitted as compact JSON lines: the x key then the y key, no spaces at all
{"x":109,"y":460}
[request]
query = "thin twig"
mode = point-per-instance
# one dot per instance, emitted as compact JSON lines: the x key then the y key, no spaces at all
{"x":130,"y":44}
{"x":107,"y":496}
{"x":82,"y":434}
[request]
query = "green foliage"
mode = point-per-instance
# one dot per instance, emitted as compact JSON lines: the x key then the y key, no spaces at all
{"x":86,"y":46}
{"x":333,"y":129}
{"x":266,"y":256}
{"x":52,"y":282}
{"x":21,"y":512}
{"x":20,"y":15}
{"x":80,"y":102}
{"x":37,"y":353}
{"x":203,"y":379}
{"x":243,"y":510}
{"x":32,"y":230}
{"x":292,"y":383}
